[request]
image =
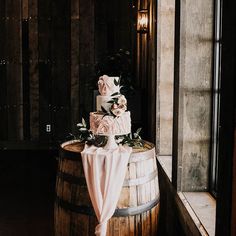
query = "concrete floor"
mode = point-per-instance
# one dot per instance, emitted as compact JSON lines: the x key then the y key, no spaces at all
{"x":27,"y":183}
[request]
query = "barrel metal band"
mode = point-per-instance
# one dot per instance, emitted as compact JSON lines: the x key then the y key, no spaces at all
{"x":87,"y":210}
{"x":135,"y":158}
{"x":141,"y":180}
{"x":71,"y":156}
{"x":127,"y":182}
{"x":71,"y":178}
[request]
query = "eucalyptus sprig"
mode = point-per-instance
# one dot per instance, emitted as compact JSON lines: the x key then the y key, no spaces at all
{"x":134,"y":140}
{"x":83,"y":133}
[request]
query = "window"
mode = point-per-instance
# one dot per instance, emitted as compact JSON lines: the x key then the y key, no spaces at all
{"x":216,"y":98}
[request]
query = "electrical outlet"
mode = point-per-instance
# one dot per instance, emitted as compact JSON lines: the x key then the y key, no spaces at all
{"x":48,"y":128}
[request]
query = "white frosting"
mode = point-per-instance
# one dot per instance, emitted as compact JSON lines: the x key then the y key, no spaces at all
{"x":120,"y":122}
{"x":110,"y":125}
{"x":102,"y":101}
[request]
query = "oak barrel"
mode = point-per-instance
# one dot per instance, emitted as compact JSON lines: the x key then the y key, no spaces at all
{"x":138,"y":205}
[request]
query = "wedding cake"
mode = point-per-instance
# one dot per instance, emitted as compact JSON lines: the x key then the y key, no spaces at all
{"x":106,"y":169}
{"x":111,"y":117}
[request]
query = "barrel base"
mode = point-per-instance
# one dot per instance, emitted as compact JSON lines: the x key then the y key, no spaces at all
{"x":69,"y":223}
{"x":138,"y":205}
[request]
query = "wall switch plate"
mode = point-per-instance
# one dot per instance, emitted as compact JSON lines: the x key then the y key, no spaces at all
{"x":48,"y":128}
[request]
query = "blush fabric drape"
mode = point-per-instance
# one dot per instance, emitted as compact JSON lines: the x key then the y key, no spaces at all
{"x":105,"y":173}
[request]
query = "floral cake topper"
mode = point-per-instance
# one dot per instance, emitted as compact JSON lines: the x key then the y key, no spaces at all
{"x":108,"y":85}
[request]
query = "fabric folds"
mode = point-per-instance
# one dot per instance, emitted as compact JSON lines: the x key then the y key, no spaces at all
{"x":105,"y":173}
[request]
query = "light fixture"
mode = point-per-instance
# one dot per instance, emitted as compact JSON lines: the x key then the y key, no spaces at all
{"x":142,"y":22}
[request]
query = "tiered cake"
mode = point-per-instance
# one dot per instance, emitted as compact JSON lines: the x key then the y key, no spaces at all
{"x":111,"y":117}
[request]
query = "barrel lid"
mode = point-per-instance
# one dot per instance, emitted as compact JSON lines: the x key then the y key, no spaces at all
{"x":73,"y":146}
{"x":77,"y":146}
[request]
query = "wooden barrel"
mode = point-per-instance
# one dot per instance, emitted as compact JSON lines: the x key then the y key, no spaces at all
{"x":138,"y":206}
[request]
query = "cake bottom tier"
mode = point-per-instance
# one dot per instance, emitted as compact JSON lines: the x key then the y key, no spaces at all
{"x":110,"y":125}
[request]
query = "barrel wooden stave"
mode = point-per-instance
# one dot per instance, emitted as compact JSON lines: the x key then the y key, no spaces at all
{"x":69,"y":223}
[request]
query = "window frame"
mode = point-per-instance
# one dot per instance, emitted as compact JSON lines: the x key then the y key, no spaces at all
{"x":216,"y":81}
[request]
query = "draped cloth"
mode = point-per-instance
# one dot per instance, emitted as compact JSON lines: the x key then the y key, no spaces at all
{"x":105,"y":173}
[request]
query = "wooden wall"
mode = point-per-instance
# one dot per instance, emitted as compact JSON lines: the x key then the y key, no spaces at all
{"x":114,"y":27}
{"x":46,"y":54}
{"x":146,"y":68}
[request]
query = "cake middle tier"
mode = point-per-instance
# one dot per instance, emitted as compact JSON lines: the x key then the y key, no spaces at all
{"x":110,"y":125}
{"x":102,"y":101}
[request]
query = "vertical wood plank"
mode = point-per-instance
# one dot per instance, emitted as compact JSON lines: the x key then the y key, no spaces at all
{"x":44,"y":67}
{"x":14,"y":70}
{"x":131,"y":226}
{"x":151,"y":71}
{"x":60,"y":68}
{"x":86,"y":58}
{"x":33,"y":69}
{"x":25,"y":68}
{"x":3,"y":76}
{"x":25,"y":78}
{"x":133,"y":189}
{"x":74,"y":64}
{"x":25,"y":9}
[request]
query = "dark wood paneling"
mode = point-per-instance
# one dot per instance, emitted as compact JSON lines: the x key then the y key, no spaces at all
{"x":146,"y":69}
{"x":33,"y":69}
{"x":14,"y":70}
{"x":25,"y":78}
{"x":60,"y":53}
{"x":86,"y":55}
{"x":45,"y":64}
{"x":151,"y":71}
{"x":3,"y":79}
{"x":47,"y":55}
{"x":74,"y":64}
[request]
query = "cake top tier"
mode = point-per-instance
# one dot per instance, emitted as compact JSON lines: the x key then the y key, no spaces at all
{"x":108,"y":85}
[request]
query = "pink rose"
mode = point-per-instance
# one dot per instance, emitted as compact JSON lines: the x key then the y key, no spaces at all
{"x":114,"y":106}
{"x":105,"y":126}
{"x":122,"y":100}
{"x":122,"y":107}
{"x":106,"y":85}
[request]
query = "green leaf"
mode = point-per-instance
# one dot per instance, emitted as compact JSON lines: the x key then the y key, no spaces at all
{"x":115,"y":100}
{"x":84,"y":122}
{"x":116,"y":82}
{"x":103,"y":109}
{"x":114,"y":94}
{"x":138,"y":131}
{"x":83,"y":129}
{"x":111,"y":101}
{"x":106,"y":115}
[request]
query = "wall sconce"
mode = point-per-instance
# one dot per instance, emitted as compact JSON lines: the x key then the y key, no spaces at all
{"x":142,"y":21}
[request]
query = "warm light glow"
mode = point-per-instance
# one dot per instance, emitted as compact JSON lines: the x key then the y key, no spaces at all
{"x":142,"y":24}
